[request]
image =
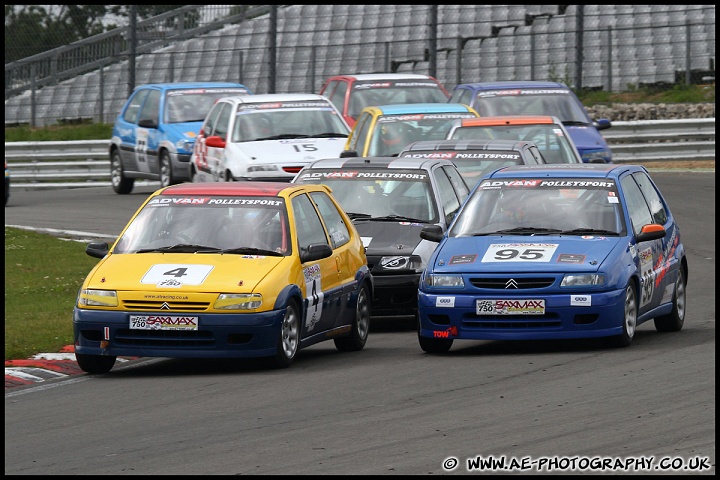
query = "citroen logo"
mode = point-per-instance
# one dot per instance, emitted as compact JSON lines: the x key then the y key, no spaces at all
{"x":511,"y":283}
{"x":165,"y":306}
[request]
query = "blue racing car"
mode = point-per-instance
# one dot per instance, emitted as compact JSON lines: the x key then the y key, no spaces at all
{"x":555,"y":252}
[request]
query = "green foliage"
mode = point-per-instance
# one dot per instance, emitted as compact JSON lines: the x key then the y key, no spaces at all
{"x":42,"y":277}
{"x":24,"y":133}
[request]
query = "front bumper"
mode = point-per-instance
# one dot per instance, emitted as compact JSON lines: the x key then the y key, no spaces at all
{"x":228,"y":335}
{"x":603,"y":318}
{"x":395,"y":295}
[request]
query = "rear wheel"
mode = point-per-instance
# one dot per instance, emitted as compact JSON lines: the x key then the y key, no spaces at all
{"x":289,"y":338}
{"x":95,"y":364}
{"x":433,"y":345}
{"x":166,"y":174}
{"x":629,"y":320}
{"x":120,"y":183}
{"x":360,"y":325}
{"x":673,"y":322}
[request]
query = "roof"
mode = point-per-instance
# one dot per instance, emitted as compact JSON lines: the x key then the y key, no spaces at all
{"x":510,"y":120}
{"x":405,"y":108}
{"x":184,"y":85}
{"x":359,"y":163}
{"x":566,"y":170}
{"x":386,"y":76}
{"x":251,"y":189}
{"x":463,"y":145}
{"x":512,"y":84}
{"x":281,"y":97}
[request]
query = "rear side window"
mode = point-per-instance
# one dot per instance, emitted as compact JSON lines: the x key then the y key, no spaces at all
{"x":657,"y":208}
{"x":339,"y":233}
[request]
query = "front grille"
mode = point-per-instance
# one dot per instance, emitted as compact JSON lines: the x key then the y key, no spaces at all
{"x":512,"y":322}
{"x":508,"y":282}
{"x":164,"y":338}
{"x":171,"y":305}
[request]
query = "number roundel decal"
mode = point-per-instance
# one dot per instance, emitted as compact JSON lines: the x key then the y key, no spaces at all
{"x":520,"y":252}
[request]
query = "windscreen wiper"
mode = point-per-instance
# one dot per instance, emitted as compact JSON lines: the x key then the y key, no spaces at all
{"x":181,"y":248}
{"x":251,"y":251}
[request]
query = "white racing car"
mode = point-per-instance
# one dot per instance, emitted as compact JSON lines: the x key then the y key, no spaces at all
{"x":266,"y":137}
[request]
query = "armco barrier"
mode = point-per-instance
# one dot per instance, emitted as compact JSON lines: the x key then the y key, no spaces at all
{"x":86,"y":163}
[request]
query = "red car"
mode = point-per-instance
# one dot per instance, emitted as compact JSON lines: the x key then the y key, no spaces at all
{"x":351,"y":93}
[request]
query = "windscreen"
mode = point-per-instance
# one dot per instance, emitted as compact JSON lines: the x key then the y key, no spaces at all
{"x":391,"y":92}
{"x":371,"y":194}
{"x":193,"y":104}
{"x":531,"y":206}
{"x":560,"y":103}
{"x":207,"y":225}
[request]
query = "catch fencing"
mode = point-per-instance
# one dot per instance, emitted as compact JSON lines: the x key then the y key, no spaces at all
{"x":86,"y":163}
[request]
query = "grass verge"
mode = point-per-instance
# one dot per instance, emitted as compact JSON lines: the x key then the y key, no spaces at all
{"x":43,"y":274}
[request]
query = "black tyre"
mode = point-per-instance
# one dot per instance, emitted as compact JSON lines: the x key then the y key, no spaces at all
{"x":433,"y":345}
{"x":166,"y":174}
{"x":673,"y":322}
{"x":95,"y":364}
{"x":629,"y":320}
{"x":360,"y":325}
{"x":120,"y":183}
{"x":289,"y":337}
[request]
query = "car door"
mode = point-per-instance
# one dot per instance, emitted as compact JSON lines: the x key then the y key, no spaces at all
{"x":147,"y":142}
{"x":126,"y":129}
{"x":655,"y":258}
{"x":322,"y":277}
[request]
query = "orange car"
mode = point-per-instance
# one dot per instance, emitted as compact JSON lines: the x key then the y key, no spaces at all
{"x":547,"y":132}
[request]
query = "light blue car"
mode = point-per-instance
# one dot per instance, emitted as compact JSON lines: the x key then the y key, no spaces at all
{"x":540,"y":98}
{"x":154,"y":134}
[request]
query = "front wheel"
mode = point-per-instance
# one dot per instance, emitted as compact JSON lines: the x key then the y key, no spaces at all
{"x":120,"y":183}
{"x":629,"y":320}
{"x":674,"y":321}
{"x":433,"y":345}
{"x":95,"y":364}
{"x":360,"y":325}
{"x":289,"y":338}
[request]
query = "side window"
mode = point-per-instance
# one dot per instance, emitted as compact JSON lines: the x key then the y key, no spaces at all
{"x":638,"y":208}
{"x":211,"y":119}
{"x":151,"y":108}
{"x":223,"y":121}
{"x":461,"y":95}
{"x":307,"y":223}
{"x":133,"y":109}
{"x":458,"y":183}
{"x":360,"y":133}
{"x":657,"y":208}
{"x":450,"y":201}
{"x":338,"y":96}
{"x":339,"y":233}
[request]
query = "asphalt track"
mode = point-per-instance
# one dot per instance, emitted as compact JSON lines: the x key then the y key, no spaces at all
{"x":389,"y":409}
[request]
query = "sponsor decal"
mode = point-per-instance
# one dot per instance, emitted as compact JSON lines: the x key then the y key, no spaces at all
{"x":580,"y":300}
{"x":570,"y":258}
{"x":648,"y":275}
{"x":460,"y":259}
{"x":445,"y":302}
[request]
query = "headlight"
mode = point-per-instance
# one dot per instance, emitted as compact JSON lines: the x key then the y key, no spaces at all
{"x":450,"y":281}
{"x":238,"y":301}
{"x":583,"y":280}
{"x":98,"y":298}
{"x":186,"y":145}
{"x":399,"y":262}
